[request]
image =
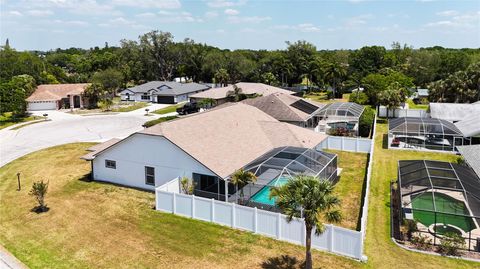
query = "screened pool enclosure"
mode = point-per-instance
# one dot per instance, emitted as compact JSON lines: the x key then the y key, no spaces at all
{"x":278,"y":166}
{"x":442,"y":198}
{"x":424,"y":133}
{"x":339,"y":118}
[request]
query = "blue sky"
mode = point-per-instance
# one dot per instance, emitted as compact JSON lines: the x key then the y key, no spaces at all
{"x":233,"y":24}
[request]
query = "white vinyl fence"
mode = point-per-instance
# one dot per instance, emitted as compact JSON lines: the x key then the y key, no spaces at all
{"x":354,"y":144}
{"x":335,"y":239}
{"x":402,"y":113}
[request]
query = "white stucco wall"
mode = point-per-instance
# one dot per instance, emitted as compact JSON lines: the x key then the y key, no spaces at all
{"x":140,"y":150}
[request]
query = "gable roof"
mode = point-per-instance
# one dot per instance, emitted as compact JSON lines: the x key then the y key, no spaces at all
{"x":471,"y":154}
{"x":54,"y":92}
{"x":168,"y":88}
{"x":453,"y":111}
{"x":422,"y":92}
{"x":283,"y":107}
{"x":247,"y":88}
{"x":232,"y":136}
{"x":470,"y":126}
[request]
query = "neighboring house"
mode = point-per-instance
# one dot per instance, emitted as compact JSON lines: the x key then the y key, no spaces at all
{"x":164,"y":92}
{"x":453,"y":111}
{"x":288,"y":108}
{"x":57,"y":96}
{"x":207,"y":147}
{"x":419,"y":95}
{"x":471,"y":154}
{"x":220,"y":95}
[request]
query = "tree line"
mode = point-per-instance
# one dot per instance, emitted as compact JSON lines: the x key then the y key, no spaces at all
{"x":385,"y":74}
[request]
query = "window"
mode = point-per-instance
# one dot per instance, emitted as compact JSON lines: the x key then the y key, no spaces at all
{"x":149,"y":175}
{"x":110,"y":164}
{"x":145,"y":96}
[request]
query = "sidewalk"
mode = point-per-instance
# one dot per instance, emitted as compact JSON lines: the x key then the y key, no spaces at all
{"x":8,"y":261}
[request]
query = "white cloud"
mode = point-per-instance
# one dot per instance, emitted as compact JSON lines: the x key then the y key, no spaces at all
{"x":225,"y":3}
{"x":88,"y":7}
{"x":303,"y":27}
{"x":211,"y":14}
{"x":447,"y":13}
{"x":15,"y":13}
{"x":253,"y":19}
{"x":145,"y":15}
{"x":468,"y":20}
{"x":231,"y":12}
{"x":167,"y":4}
{"x":358,"y":20}
{"x":72,"y":22}
{"x":176,"y":17}
{"x":39,"y":13}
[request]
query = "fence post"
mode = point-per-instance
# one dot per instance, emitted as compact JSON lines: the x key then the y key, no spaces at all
{"x":330,"y":238}
{"x":174,"y":204}
{"x":279,"y":226}
{"x":255,"y":220}
{"x":193,"y":206}
{"x":233,"y":215}
{"x":213,"y":210}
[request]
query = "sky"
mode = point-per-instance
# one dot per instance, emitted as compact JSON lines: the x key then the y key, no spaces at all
{"x":246,"y":24}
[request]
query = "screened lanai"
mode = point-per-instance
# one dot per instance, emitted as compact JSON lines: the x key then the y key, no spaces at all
{"x":424,"y":133}
{"x":340,"y":117}
{"x":278,"y":166}
{"x":442,"y":198}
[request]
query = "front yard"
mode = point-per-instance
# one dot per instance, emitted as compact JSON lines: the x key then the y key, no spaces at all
{"x":6,"y":119}
{"x":96,"y":225}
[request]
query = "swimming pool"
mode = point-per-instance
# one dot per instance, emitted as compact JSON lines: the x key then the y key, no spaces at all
{"x":263,"y":196}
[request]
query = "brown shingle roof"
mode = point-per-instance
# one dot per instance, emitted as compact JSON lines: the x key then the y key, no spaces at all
{"x":53,"y":92}
{"x":247,"y":88}
{"x":280,"y":107}
{"x":228,"y":138}
{"x":99,"y":147}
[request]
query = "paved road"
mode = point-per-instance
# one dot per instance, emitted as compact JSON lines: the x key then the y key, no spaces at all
{"x":67,"y":128}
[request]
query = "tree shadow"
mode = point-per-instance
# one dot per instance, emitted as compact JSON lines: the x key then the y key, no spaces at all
{"x":283,"y":262}
{"x":385,"y":141}
{"x":40,"y":210}
{"x":86,"y":178}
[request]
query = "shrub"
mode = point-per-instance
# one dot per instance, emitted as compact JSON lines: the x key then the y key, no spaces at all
{"x":329,"y":95}
{"x":187,"y":185}
{"x":421,"y":242}
{"x":360,"y":98}
{"x":39,"y":190}
{"x":150,"y":123}
{"x":365,"y":122}
{"x":450,"y":244}
{"x":408,"y":228}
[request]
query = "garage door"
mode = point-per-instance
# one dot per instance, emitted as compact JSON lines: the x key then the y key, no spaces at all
{"x":165,"y":99}
{"x":42,"y":105}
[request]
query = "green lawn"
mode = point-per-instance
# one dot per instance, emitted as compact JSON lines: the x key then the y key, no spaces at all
{"x":168,"y":109}
{"x":381,"y":251}
{"x":322,"y":97}
{"x":132,"y":107}
{"x":412,"y":105}
{"x":99,"y":225}
{"x":7,"y":120}
{"x":350,"y":186}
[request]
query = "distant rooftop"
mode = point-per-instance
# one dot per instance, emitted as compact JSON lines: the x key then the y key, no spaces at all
{"x":168,"y":87}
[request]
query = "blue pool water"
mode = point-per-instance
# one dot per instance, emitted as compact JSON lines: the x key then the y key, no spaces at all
{"x":263,"y":196}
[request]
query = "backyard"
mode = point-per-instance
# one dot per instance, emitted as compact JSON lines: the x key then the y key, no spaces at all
{"x":322,"y":97}
{"x":134,"y":235}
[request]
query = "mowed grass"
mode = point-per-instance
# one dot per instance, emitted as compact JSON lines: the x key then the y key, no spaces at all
{"x":322,"y":97}
{"x":99,"y":225}
{"x":381,"y":251}
{"x":412,"y":105}
{"x":6,"y":119}
{"x":168,"y":109}
{"x":130,"y":107}
{"x":350,"y":186}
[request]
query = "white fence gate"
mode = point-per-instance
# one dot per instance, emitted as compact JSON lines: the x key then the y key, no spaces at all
{"x":354,"y":144}
{"x":335,"y":239}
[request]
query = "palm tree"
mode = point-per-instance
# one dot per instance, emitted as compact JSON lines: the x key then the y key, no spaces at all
{"x":333,"y":73}
{"x":309,"y":198}
{"x":241,"y":178}
{"x":236,"y":95}
{"x":222,"y":77}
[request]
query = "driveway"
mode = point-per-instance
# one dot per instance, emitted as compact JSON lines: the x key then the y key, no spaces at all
{"x":67,"y":128}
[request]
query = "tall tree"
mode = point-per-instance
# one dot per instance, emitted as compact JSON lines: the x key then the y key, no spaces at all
{"x":313,"y":200}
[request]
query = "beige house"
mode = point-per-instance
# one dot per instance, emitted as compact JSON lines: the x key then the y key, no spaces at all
{"x":57,"y":96}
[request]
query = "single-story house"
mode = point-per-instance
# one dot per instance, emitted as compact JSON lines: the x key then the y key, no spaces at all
{"x":208,"y":147}
{"x":57,"y":96}
{"x":220,"y":95}
{"x":288,"y":108}
{"x":453,"y":111}
{"x":471,"y":154}
{"x":419,"y":95}
{"x":165,"y":92}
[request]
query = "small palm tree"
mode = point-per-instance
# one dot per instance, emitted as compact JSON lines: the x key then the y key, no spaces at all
{"x":309,"y":198}
{"x":39,"y":190}
{"x":241,"y":178}
{"x":236,"y":95}
{"x":187,"y":185}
